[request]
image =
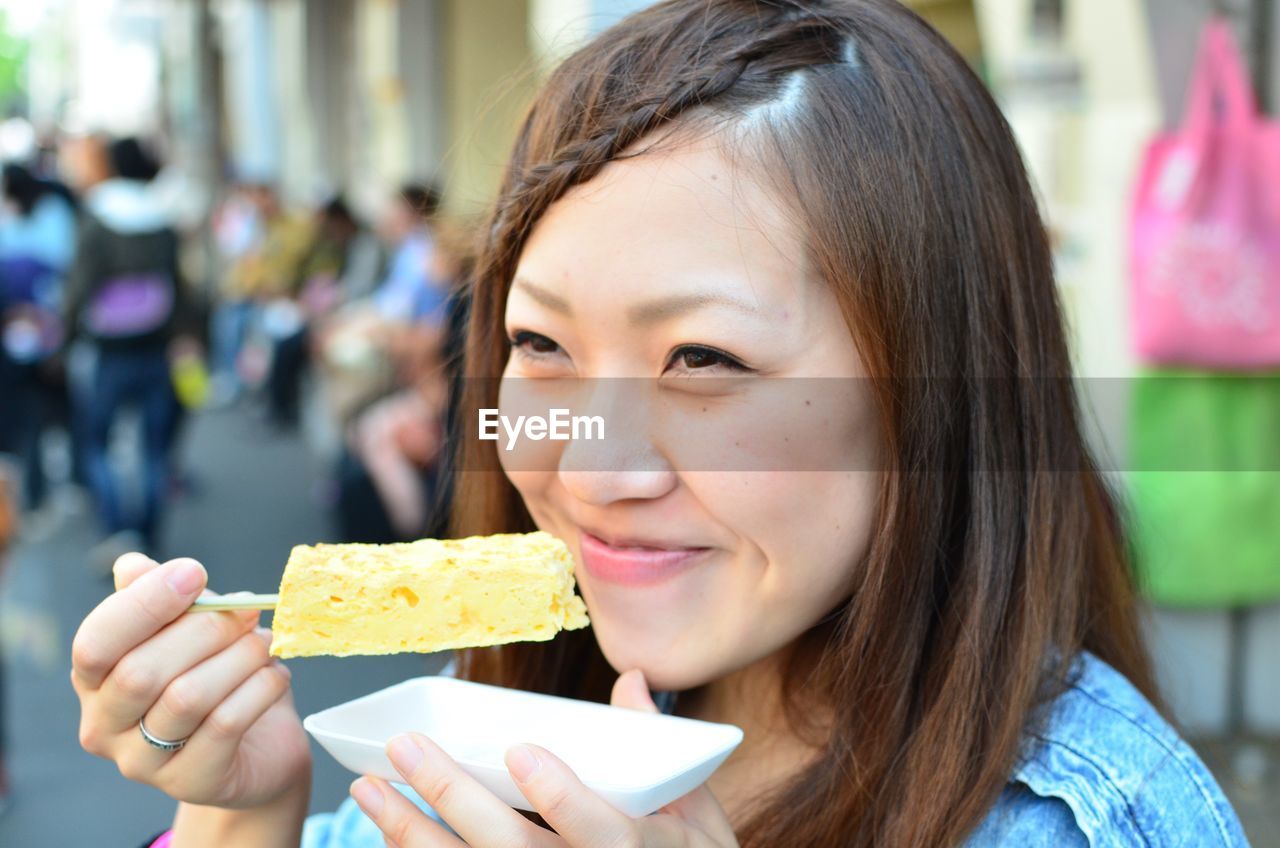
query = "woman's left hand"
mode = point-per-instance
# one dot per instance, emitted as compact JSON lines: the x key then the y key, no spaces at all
{"x":581,"y":818}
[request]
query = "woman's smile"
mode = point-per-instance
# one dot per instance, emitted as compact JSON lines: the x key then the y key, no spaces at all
{"x":636,"y":562}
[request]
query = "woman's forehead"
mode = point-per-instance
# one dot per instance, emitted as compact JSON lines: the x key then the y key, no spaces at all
{"x":664,"y":219}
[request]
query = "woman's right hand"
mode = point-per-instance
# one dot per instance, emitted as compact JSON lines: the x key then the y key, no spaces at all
{"x":139,"y":657}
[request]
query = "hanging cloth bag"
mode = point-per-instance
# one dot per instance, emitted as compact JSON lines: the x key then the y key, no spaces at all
{"x":1205,"y":226}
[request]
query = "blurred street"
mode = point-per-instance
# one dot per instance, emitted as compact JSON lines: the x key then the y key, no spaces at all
{"x":254,"y":498}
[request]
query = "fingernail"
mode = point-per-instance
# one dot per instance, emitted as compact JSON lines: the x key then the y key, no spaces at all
{"x":186,"y":577}
{"x":522,"y":762}
{"x":405,"y":754}
{"x":368,"y":796}
{"x":283,"y":669}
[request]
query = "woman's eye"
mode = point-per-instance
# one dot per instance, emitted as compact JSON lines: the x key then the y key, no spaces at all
{"x":534,"y":344}
{"x":701,"y":358}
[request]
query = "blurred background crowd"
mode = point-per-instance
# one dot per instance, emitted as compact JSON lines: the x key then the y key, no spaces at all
{"x":311,"y":296}
{"x":281,"y":194}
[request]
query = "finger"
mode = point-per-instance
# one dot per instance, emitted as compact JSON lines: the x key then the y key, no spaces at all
{"x":631,"y":692}
{"x":403,"y":825}
{"x":128,"y":617}
{"x":215,"y":744}
{"x":138,"y":679}
{"x":700,"y":810}
{"x":475,"y":813}
{"x":141,"y":762}
{"x":129,"y":567}
{"x":669,"y":829}
{"x":579,"y":815}
{"x":190,"y":697}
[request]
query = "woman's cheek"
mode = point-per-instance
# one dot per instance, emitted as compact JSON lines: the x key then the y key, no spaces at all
{"x":519,"y":427}
{"x":839,"y":533}
{"x":808,"y":531}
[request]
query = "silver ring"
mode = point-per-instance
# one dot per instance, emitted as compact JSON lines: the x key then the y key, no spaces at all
{"x":157,"y":742}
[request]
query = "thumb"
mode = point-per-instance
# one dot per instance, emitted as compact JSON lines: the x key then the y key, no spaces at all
{"x":631,"y":692}
{"x":129,"y":567}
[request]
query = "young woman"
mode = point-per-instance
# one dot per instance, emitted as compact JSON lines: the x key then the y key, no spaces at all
{"x":908,"y":586}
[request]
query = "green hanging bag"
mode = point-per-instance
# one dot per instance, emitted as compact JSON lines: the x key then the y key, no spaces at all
{"x":1205,"y":487}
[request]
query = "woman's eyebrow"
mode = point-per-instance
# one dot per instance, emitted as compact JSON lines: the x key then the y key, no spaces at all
{"x":663,"y":308}
{"x":651,"y":312}
{"x":549,"y":299}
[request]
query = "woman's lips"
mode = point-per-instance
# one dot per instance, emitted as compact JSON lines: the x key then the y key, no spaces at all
{"x":634,"y":565}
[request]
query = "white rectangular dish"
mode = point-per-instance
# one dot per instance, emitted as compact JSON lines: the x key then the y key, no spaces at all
{"x":636,"y":761}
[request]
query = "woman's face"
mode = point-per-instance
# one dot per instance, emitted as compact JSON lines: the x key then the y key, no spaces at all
{"x":731,"y":500}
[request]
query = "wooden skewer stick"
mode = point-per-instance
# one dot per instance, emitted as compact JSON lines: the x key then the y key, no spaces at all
{"x":238,"y":601}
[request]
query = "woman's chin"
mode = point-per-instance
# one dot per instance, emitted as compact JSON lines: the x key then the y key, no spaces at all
{"x":668,"y":665}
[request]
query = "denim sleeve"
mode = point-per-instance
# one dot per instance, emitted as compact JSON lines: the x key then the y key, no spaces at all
{"x":1064,"y":798}
{"x":1126,"y":775}
{"x":1165,"y":799}
{"x":1023,"y":819}
{"x":346,"y":827}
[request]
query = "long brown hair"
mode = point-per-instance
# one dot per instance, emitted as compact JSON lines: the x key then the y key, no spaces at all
{"x":998,"y":554}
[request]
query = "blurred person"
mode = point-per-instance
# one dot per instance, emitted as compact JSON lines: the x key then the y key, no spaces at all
{"x":37,"y":244}
{"x":391,"y":483}
{"x":385,"y":480}
{"x":259,"y":288}
{"x":340,"y":253}
{"x":84,"y":162}
{"x":274,"y":274}
{"x":237,"y":222}
{"x":386,"y":473}
{"x":409,"y":294}
{"x":351,"y":346}
{"x":182,"y":201}
{"x":271,"y":265}
{"x":345,"y":262}
{"x":125,"y":296}
{"x":237,"y":228}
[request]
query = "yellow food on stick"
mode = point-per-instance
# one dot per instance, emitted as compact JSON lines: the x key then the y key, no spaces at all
{"x":425,"y":596}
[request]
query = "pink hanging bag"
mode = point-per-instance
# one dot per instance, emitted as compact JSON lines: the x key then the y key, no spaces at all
{"x":1205,"y":226}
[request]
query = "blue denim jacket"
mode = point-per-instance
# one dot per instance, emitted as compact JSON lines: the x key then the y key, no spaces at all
{"x":1105,"y":771}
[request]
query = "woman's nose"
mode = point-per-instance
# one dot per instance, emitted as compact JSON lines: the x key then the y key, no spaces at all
{"x":624,"y":465}
{"x":600,"y":488}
